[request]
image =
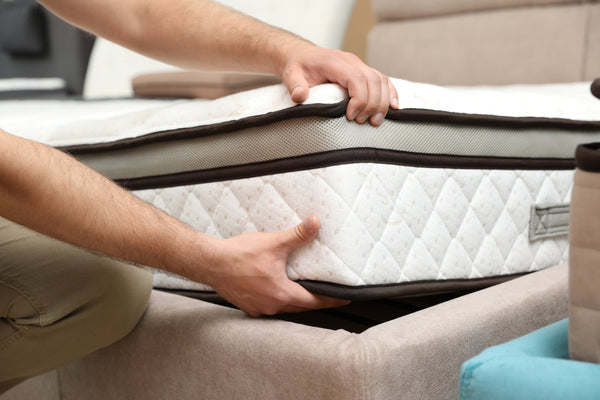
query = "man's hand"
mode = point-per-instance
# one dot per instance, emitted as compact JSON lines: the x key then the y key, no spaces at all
{"x":371,"y":92}
{"x":250,"y":271}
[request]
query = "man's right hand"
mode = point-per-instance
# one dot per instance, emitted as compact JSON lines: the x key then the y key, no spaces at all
{"x":250,"y":271}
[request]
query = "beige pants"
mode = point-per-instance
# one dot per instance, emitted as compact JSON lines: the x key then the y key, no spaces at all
{"x":59,"y":303}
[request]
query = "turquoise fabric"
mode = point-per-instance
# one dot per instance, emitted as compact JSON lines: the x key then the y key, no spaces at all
{"x":535,"y":366}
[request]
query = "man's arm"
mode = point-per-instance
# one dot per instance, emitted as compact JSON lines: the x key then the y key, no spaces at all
{"x":49,"y":191}
{"x":201,"y":34}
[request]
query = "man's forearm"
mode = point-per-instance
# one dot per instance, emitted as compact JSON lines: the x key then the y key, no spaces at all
{"x":49,"y":191}
{"x":187,"y":33}
{"x":201,"y":34}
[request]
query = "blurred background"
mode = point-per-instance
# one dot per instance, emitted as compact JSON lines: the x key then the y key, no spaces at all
{"x":460,"y":42}
{"x":361,"y":22}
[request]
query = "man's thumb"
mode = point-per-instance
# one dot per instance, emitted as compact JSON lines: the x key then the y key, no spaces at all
{"x":302,"y":233}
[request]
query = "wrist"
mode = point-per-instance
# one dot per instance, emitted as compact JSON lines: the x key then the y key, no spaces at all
{"x":190,"y":254}
{"x":289,"y":51}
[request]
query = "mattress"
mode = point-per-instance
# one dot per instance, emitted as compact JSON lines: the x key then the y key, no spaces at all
{"x":460,"y":188}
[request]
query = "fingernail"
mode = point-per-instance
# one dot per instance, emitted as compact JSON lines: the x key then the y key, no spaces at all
{"x":352,"y":117}
{"x":377,"y":119}
{"x":309,"y":224}
{"x":294,"y":91}
{"x":360,"y":119}
{"x":394,"y":102}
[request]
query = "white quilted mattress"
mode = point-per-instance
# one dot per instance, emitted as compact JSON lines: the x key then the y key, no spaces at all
{"x":460,"y":188}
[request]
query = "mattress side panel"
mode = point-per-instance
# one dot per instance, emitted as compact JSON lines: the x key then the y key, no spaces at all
{"x":296,"y":138}
{"x":384,"y":224}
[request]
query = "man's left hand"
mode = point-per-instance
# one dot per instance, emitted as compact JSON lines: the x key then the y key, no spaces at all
{"x":371,"y":93}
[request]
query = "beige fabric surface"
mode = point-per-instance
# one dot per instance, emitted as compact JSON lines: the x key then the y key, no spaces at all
{"x":430,"y":346}
{"x":521,"y":45}
{"x":584,"y":272}
{"x":188,"y":349}
{"x":43,"y":387}
{"x":592,"y":57}
{"x":386,"y":10}
{"x":199,"y":84}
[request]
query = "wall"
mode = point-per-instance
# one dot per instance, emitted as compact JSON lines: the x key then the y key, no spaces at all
{"x":361,"y":22}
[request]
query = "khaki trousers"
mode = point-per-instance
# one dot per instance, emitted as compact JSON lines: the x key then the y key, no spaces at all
{"x":59,"y":303}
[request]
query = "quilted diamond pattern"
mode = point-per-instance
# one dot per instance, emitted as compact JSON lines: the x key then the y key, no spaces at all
{"x":383,"y":224}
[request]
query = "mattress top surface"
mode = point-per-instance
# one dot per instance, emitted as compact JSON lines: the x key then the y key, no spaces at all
{"x":72,"y":122}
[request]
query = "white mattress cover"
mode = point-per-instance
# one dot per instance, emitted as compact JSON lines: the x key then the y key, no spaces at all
{"x":383,"y":224}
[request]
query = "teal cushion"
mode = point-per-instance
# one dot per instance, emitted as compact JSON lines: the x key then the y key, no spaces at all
{"x":535,"y":366}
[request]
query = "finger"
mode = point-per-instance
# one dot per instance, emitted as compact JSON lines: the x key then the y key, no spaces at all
{"x":357,"y":90}
{"x":299,"y":297}
{"x":292,"y":309}
{"x":296,"y":84}
{"x":301,"y":234}
{"x":394,"y":103}
{"x":377,"y":118}
{"x":373,"y":98}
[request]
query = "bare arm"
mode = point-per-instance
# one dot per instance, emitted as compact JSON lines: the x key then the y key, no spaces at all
{"x":189,"y":33}
{"x":49,"y":191}
{"x":202,"y":34}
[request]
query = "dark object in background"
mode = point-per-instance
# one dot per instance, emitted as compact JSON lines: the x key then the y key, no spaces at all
{"x":595,"y":88}
{"x":22,"y":28}
{"x":34,"y":43}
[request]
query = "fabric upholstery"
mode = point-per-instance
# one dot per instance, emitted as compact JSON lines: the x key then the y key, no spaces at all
{"x":532,"y":367}
{"x":41,"y":387}
{"x":199,"y":84}
{"x":393,"y":9}
{"x":584,"y":273}
{"x":214,"y":352}
{"x":488,"y":47}
{"x":592,"y":56}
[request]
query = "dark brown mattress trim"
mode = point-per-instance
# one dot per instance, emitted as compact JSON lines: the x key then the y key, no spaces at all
{"x":587,"y":157}
{"x":345,"y":156}
{"x":419,"y":115}
{"x":405,"y":289}
{"x":375,"y":292}
{"x":334,"y":111}
{"x":595,"y":88}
